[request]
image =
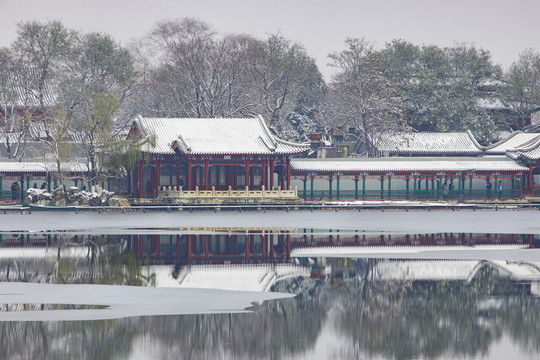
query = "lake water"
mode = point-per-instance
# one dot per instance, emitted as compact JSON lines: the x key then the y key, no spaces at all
{"x":275,"y":285}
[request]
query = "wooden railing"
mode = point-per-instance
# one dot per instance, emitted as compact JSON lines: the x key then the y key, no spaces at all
{"x":177,"y":191}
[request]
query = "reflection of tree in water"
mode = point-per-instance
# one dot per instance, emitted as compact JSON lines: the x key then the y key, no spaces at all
{"x":402,"y":320}
{"x":275,"y":329}
{"x":100,"y":259}
{"x":108,"y":339}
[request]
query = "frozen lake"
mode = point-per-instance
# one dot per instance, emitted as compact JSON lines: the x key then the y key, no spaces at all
{"x":271,"y":285}
{"x":420,"y":221}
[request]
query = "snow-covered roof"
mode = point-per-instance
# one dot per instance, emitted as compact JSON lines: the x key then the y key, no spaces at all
{"x":40,"y":167}
{"x":428,"y":143}
{"x":520,"y":270}
{"x":24,"y":90}
{"x":407,"y":165}
{"x":529,"y":151}
{"x":228,"y":277}
{"x":491,"y":104}
{"x":36,"y":132}
{"x":208,"y":136}
{"x":514,"y":141}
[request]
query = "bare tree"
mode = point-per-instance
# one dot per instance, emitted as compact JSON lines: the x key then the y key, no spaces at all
{"x":195,"y":73}
{"x":282,"y":72}
{"x":361,"y":95}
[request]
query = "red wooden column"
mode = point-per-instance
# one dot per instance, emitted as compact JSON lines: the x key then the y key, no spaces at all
{"x":246,"y":170}
{"x":272,"y":246}
{"x":135,"y":179}
{"x":178,"y":173}
{"x":531,"y":189}
{"x":141,"y":179}
{"x":206,"y":173}
{"x":288,"y":173}
{"x":251,"y":179}
{"x":288,"y":245}
{"x":189,"y":168}
{"x":158,"y":176}
{"x":271,"y":174}
{"x":264,"y":182}
{"x":235,"y":178}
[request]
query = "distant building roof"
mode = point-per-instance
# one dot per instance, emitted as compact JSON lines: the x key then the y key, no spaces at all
{"x":513,"y":142}
{"x":38,"y":131}
{"x":407,"y":165}
{"x":207,"y":136}
{"x":428,"y":143}
{"x":25,"y":92}
{"x":40,"y":167}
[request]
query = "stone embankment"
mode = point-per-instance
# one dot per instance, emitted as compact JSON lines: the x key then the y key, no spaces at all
{"x":73,"y":197}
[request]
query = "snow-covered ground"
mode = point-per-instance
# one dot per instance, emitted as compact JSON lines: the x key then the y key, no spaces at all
{"x":123,"y":301}
{"x":412,"y":221}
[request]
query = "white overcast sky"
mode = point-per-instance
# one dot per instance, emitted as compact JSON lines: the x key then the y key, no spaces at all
{"x":504,"y":27}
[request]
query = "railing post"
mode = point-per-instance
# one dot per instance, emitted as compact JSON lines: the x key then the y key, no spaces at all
{"x":213,"y":190}
{"x":197,"y":190}
{"x":263,"y":191}
{"x":296,"y":191}
{"x":247,"y":190}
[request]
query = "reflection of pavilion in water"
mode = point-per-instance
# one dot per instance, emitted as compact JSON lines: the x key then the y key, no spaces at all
{"x":253,"y":246}
{"x":256,"y":245}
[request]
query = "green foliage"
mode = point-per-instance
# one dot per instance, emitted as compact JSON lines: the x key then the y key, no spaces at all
{"x":521,"y":87}
{"x":441,"y":88}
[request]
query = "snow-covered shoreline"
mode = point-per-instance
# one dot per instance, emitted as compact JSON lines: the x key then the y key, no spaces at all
{"x":510,"y":221}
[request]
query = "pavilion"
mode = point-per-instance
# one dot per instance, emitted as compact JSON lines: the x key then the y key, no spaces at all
{"x":210,"y":154}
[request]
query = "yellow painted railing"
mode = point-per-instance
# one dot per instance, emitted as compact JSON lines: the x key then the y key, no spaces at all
{"x":177,"y":191}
